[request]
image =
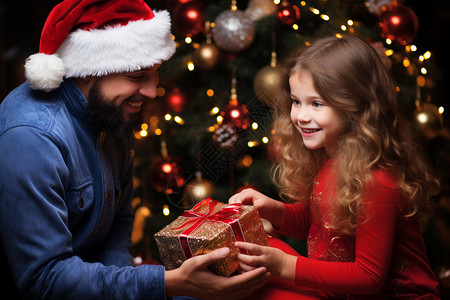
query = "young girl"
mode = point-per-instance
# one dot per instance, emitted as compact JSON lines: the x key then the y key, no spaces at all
{"x":356,"y":178}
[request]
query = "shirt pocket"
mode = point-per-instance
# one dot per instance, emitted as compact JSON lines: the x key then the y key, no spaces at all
{"x":80,"y":198}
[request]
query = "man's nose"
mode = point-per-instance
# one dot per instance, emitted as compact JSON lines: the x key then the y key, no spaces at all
{"x":149,"y":89}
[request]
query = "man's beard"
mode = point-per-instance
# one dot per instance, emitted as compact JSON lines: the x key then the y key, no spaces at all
{"x":109,"y":116}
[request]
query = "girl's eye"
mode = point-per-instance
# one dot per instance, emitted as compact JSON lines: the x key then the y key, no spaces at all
{"x":296,"y":102}
{"x":317,"y":104}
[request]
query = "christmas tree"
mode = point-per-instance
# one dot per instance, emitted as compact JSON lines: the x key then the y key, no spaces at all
{"x":208,"y":134}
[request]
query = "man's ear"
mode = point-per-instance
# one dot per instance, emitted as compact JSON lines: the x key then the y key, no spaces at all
{"x":85,"y":84}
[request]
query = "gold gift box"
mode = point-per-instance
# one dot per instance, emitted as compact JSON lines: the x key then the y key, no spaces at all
{"x":208,"y":226}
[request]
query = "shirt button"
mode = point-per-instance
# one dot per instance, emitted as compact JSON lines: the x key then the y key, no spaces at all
{"x":80,"y":202}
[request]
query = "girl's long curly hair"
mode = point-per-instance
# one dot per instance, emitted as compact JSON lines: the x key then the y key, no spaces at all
{"x":350,"y":77}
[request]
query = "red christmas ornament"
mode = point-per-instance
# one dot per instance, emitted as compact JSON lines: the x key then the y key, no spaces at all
{"x":175,"y":100}
{"x":236,"y":115}
{"x":398,"y":23}
{"x":189,"y":19}
{"x":172,"y":5}
{"x":287,"y":13}
{"x":165,"y":174}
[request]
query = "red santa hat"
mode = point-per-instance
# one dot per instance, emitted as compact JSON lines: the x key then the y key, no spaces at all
{"x":98,"y":37}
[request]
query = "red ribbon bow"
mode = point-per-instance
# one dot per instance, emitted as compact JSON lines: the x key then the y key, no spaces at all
{"x":197,"y":218}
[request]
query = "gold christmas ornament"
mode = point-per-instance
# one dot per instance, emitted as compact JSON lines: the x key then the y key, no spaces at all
{"x":196,"y":190}
{"x":206,"y":56}
{"x":258,"y":9}
{"x":266,"y":84}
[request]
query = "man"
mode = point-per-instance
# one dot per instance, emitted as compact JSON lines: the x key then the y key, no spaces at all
{"x":66,"y":165}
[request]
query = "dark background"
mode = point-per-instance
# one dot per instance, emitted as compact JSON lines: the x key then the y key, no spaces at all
{"x":21,"y":23}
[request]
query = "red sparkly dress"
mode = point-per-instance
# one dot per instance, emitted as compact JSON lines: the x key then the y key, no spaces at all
{"x":385,"y":259}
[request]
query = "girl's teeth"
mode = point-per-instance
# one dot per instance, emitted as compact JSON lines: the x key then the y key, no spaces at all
{"x":310,"y":130}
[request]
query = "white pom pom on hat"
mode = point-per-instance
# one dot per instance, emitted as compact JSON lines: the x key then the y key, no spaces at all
{"x":44,"y":72}
{"x":96,"y":38}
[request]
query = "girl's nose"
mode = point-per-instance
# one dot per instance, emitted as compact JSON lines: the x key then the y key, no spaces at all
{"x":303,"y":115}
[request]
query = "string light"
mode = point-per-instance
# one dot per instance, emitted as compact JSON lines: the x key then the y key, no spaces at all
{"x":179,"y":120}
{"x":406,"y":62}
{"x":265,"y":139}
{"x":420,"y":81}
{"x":166,"y":210}
{"x":422,"y":118}
{"x":235,"y":113}
{"x":168,"y":117}
{"x":247,"y":161}
{"x":161,"y":91}
{"x":214,"y":111}
{"x":143,"y":133}
{"x":154,"y":120}
{"x":389,"y":52}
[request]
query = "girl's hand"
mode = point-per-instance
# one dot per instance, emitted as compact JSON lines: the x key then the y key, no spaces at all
{"x":277,"y":262}
{"x":268,"y":208}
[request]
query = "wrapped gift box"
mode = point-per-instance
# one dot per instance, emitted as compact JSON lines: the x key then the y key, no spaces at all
{"x":210,"y":225}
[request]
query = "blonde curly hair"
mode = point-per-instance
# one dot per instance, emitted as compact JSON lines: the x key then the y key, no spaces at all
{"x":349,"y":75}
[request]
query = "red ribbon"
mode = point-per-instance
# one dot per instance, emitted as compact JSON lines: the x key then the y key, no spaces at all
{"x":197,"y":218}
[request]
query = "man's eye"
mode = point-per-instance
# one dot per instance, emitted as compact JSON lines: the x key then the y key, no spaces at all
{"x":136,"y":77}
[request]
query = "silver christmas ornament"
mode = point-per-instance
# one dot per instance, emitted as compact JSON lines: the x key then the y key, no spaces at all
{"x":234,"y":30}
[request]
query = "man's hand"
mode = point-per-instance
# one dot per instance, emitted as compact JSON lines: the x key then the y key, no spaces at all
{"x":194,"y":279}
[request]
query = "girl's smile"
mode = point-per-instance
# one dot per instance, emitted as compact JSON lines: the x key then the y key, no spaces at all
{"x":307,"y":132}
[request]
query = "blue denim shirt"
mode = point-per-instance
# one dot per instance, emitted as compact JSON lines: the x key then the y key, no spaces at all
{"x":65,"y":202}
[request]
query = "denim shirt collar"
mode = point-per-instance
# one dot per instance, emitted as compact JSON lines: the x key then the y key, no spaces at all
{"x":74,"y":99}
